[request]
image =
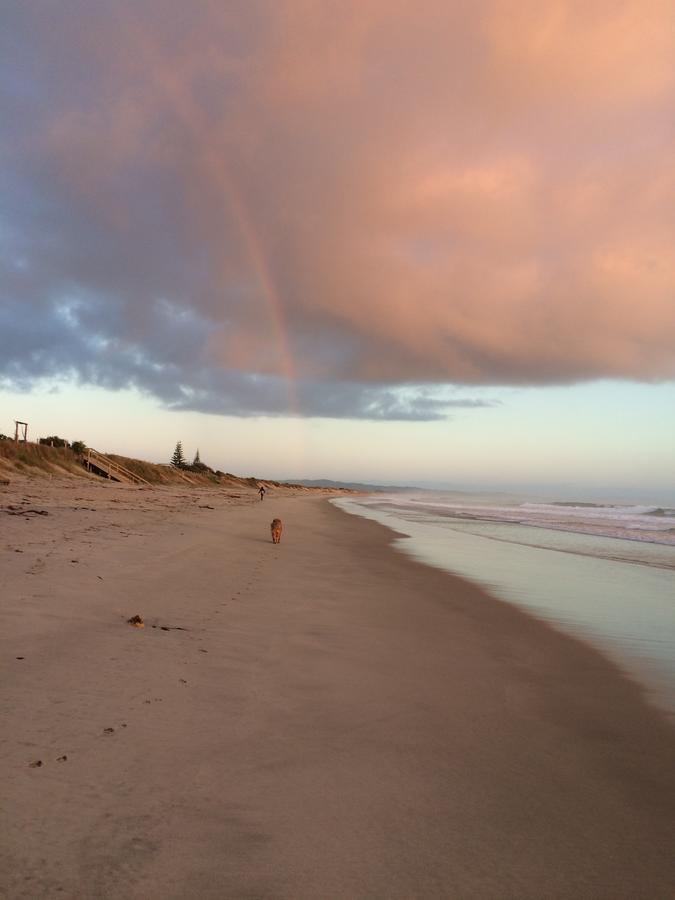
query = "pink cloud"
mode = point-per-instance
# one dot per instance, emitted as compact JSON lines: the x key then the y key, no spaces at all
{"x":477,"y":193}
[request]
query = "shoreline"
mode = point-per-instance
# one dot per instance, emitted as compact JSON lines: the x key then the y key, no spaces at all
{"x":325,"y":717}
{"x":500,"y":565}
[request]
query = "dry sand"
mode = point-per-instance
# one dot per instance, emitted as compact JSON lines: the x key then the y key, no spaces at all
{"x":332,"y":720}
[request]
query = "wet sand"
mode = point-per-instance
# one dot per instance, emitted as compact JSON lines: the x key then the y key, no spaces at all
{"x":324,"y":718}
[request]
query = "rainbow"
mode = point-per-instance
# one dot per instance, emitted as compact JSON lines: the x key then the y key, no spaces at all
{"x":269,"y":293}
{"x":191,"y":116}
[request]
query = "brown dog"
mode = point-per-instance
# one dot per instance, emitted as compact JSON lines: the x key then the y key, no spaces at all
{"x":277,"y":528}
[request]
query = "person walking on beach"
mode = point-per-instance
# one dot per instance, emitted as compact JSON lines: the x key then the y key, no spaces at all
{"x":262,"y":492}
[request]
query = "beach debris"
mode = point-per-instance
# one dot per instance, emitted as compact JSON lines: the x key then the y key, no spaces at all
{"x":20,"y":657}
{"x":169,"y":627}
{"x":36,"y":764}
{"x":202,"y":650}
{"x":17,"y":511}
{"x":206,"y":506}
{"x":16,"y":550}
{"x":108,"y":731}
{"x":63,"y":758}
{"x":123,"y":725}
{"x":183,"y":680}
{"x":136,"y":622}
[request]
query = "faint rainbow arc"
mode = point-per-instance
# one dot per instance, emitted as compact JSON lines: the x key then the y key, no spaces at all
{"x":270,"y":295}
{"x":189,"y":113}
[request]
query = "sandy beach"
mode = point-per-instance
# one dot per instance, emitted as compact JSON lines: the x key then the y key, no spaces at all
{"x":324,"y":718}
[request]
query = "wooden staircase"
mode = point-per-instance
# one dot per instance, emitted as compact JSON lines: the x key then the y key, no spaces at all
{"x":102,"y":465}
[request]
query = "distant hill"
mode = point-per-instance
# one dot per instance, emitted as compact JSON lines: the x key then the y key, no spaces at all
{"x":349,"y":485}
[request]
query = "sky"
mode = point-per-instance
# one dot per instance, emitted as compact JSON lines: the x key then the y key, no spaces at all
{"x":417,"y":242}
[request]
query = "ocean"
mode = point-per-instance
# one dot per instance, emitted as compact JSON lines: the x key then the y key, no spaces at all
{"x":604,"y":573}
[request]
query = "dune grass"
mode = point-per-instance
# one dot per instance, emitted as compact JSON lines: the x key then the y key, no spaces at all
{"x":38,"y":459}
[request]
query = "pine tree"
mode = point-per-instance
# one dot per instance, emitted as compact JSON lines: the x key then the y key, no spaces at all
{"x":196,"y":461}
{"x":178,"y":460}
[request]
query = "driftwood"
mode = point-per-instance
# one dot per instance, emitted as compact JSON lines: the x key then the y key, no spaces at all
{"x":18,"y":511}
